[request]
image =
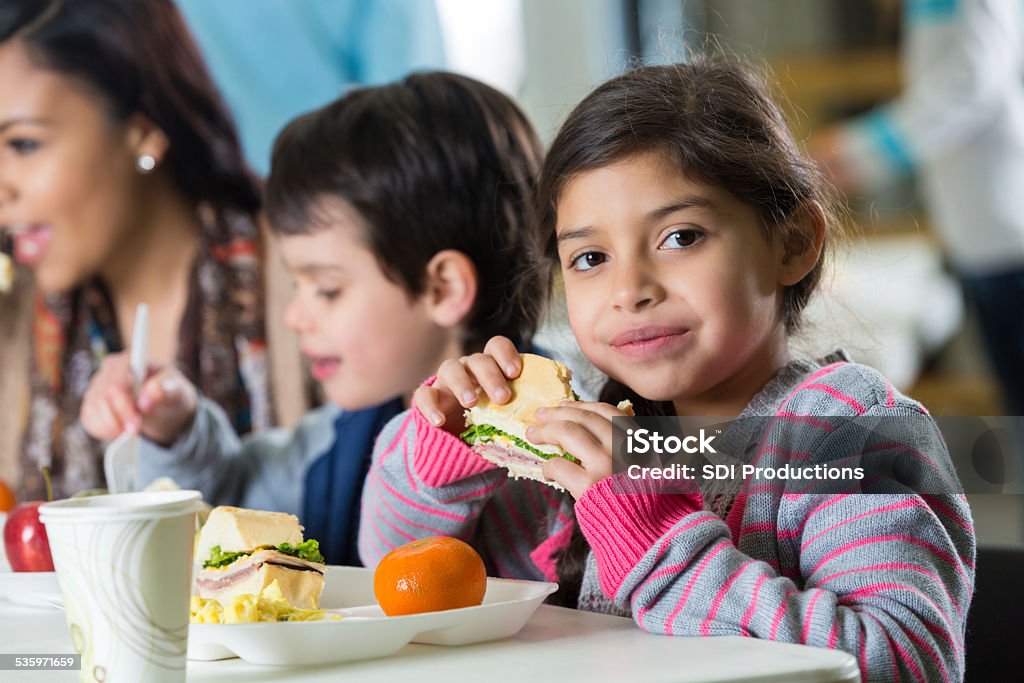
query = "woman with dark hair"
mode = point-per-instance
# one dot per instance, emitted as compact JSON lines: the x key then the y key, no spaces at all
{"x":121,"y":182}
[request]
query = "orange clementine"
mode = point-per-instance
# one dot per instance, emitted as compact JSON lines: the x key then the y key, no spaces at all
{"x":430,"y":575}
{"x":7,"y":498}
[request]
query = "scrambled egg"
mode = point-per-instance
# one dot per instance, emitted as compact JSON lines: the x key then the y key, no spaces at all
{"x":269,"y":605}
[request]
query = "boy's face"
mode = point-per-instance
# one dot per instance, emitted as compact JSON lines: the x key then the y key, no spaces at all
{"x":367,"y":339}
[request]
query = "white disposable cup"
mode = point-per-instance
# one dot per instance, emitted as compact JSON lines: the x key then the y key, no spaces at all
{"x":124,"y":564}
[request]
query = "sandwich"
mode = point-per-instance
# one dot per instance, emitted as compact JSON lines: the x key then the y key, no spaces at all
{"x":498,"y":432}
{"x":244,"y":551}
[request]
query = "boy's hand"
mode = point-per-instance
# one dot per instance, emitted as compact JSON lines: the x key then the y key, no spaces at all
{"x":166,"y":404}
{"x":458,"y":381}
{"x":583,"y":429}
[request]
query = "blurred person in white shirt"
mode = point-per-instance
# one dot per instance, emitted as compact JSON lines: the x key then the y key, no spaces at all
{"x":958,"y":124}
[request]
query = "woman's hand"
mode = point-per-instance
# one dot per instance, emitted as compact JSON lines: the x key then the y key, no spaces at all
{"x":458,"y":382}
{"x":585,"y":431}
{"x":165,"y":407}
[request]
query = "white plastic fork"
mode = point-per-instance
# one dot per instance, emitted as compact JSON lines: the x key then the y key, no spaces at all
{"x":122,"y":454}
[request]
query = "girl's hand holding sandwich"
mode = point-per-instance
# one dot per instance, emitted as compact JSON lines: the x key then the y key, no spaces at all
{"x":584,"y":430}
{"x":458,"y":381}
{"x":581,"y":429}
{"x":164,"y":408}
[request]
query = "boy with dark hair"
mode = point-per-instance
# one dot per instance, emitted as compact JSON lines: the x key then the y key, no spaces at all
{"x":402,"y":212}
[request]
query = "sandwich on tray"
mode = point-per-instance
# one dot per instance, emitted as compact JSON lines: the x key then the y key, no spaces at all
{"x":244,"y":551}
{"x":498,"y":432}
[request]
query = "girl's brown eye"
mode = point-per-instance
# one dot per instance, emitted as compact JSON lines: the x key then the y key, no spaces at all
{"x":681,"y":239}
{"x":587,"y":260}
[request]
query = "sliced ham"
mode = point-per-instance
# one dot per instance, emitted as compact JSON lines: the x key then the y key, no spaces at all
{"x":301,"y":580}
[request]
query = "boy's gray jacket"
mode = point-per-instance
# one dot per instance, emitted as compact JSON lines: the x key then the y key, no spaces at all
{"x":264,"y":472}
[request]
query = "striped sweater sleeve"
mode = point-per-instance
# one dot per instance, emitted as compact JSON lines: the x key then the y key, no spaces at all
{"x":424,"y":482}
{"x":885,"y":577}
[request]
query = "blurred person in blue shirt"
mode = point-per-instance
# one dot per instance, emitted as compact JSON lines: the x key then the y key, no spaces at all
{"x":274,"y":60}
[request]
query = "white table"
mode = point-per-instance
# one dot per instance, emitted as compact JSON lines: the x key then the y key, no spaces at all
{"x":556,"y":645}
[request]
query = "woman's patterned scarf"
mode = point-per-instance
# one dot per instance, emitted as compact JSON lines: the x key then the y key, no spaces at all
{"x":222,"y":349}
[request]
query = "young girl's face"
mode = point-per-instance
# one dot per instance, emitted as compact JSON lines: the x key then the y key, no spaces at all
{"x":671,"y":285}
{"x":367,"y":340}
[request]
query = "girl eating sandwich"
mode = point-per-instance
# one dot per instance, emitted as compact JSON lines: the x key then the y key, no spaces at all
{"x":690,"y":234}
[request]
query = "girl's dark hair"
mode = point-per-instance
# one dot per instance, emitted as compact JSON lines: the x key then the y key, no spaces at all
{"x":138,"y":56}
{"x":436,"y":161}
{"x":716,"y":120}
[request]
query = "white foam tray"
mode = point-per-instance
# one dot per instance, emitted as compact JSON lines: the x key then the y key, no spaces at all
{"x":366,"y":632}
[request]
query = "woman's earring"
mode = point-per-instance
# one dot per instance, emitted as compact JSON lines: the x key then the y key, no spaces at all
{"x":145,"y":163}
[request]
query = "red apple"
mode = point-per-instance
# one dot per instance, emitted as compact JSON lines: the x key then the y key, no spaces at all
{"x":25,"y":541}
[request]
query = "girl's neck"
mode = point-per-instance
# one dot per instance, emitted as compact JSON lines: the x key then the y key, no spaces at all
{"x":729,"y":398}
{"x":152,"y":266}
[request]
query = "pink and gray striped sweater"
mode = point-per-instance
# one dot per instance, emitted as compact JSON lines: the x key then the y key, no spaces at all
{"x":885,"y":577}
